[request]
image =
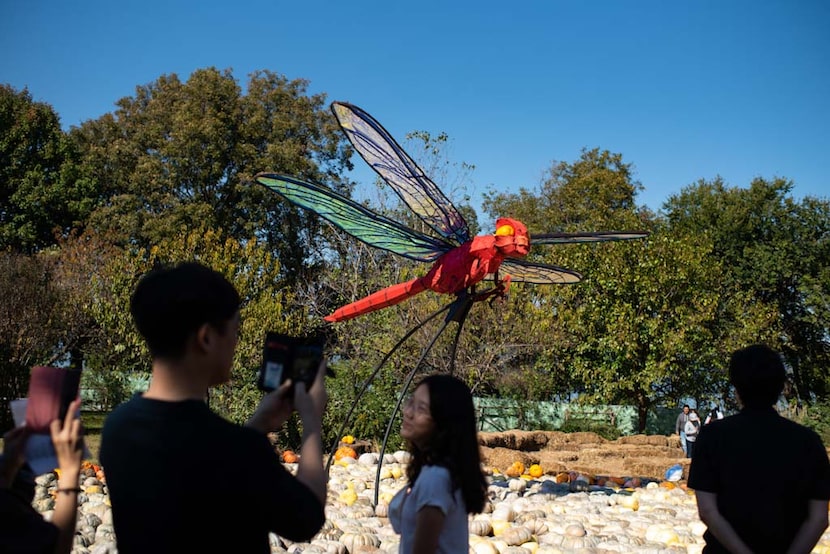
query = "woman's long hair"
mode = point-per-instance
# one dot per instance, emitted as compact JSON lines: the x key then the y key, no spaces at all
{"x":454,"y":442}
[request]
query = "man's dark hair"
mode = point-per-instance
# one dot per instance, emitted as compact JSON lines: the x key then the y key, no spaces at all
{"x":758,"y":375}
{"x":171,"y":303}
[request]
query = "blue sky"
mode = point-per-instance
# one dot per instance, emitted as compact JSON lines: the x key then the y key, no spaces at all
{"x":683,"y":90}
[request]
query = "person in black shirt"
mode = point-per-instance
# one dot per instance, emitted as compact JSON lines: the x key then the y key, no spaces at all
{"x":182,"y":478}
{"x":734,"y":454}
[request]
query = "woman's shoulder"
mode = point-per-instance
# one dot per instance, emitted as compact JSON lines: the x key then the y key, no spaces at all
{"x":435,"y":471}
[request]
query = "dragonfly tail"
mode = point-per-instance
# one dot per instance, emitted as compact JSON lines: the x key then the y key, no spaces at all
{"x":378,"y":300}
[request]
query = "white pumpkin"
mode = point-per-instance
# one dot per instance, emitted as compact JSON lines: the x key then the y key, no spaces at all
{"x":353,"y":540}
{"x":515,"y":536}
{"x":480,"y":527}
{"x":517,"y":485}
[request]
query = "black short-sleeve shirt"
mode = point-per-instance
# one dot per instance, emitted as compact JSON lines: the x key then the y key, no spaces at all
{"x":764,"y":469}
{"x":183,"y":479}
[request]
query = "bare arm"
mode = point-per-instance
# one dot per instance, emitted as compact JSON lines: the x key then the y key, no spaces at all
{"x":311,"y":405}
{"x":66,"y":436}
{"x":707,"y":508}
{"x":428,"y":525}
{"x":273,"y":410}
{"x":811,"y":530}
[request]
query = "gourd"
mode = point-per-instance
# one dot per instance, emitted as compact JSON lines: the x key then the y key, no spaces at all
{"x":537,"y":526}
{"x":345,"y":452}
{"x":382,"y":509}
{"x":290,"y":457}
{"x":516,"y":469}
{"x":353,"y":540}
{"x":480,"y":527}
{"x":517,"y":485}
{"x":516,"y":535}
{"x":535,"y":471}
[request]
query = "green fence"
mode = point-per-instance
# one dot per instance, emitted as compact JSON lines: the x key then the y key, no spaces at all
{"x":498,"y":414}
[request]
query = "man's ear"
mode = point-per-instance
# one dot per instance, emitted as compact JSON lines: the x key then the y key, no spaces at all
{"x":204,"y":337}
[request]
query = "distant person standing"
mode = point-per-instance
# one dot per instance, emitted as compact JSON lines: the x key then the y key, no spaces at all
{"x":692,"y":428}
{"x":749,"y":447}
{"x":714,"y":415}
{"x":680,"y":427}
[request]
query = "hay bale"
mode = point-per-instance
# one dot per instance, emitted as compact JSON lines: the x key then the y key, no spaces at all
{"x":503,"y":458}
{"x":654,"y":468}
{"x":663,"y":440}
{"x":654,"y":451}
{"x":585,"y":437}
{"x":600,"y":453}
{"x":551,"y":464}
{"x":527,"y":441}
{"x":633,"y":439}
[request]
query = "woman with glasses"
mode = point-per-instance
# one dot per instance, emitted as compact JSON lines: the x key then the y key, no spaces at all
{"x":445,"y":481}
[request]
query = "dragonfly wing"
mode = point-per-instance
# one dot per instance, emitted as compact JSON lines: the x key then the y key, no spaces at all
{"x":565,"y":238}
{"x":393,"y":164}
{"x":540,"y":274}
{"x":357,"y":220}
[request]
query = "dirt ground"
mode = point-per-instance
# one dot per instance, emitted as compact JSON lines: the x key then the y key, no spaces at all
{"x":644,"y":456}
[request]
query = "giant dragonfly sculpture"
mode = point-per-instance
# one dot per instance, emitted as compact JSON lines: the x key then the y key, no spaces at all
{"x":459,"y":260}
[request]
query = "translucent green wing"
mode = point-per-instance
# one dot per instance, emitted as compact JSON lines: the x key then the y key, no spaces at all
{"x":355,"y":219}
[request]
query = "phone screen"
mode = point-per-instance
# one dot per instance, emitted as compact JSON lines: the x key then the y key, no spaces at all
{"x":276,"y":358}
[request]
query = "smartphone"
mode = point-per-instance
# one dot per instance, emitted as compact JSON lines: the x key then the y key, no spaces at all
{"x":69,"y":391}
{"x":285,"y":357}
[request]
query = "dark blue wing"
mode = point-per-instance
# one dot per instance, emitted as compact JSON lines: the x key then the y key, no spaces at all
{"x":564,"y":238}
{"x":356,"y":220}
{"x":389,"y":160}
{"x":523,"y":271}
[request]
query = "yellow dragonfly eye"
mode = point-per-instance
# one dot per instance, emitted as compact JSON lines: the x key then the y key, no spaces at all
{"x":505,"y":231}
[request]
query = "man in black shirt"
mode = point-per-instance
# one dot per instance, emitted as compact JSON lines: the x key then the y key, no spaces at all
{"x":182,"y":478}
{"x":735,"y":454}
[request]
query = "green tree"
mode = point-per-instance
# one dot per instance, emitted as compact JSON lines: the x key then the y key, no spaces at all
{"x":102,"y":278}
{"x":643,"y":326}
{"x":180,"y":155}
{"x":774,"y":252}
{"x":41,"y":191}
{"x":30,"y":323}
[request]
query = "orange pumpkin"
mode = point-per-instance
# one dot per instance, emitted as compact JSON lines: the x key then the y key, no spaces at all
{"x":290,"y":457}
{"x":515,"y":470}
{"x":345,"y":452}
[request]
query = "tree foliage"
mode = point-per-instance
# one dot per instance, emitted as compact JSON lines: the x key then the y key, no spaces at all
{"x":41,"y":192}
{"x":775,"y":253}
{"x":179,"y":155}
{"x":32,"y":326}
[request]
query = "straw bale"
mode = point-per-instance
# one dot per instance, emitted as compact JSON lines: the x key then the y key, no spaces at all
{"x":654,"y":468}
{"x":503,"y":458}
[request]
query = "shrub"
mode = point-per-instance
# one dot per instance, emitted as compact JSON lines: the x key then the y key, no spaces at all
{"x":604,"y":430}
{"x":817,"y":417}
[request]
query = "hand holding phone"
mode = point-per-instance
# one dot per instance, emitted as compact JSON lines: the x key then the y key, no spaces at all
{"x":285,"y":357}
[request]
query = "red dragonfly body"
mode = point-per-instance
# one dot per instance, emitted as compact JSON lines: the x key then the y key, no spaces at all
{"x":456,"y":270}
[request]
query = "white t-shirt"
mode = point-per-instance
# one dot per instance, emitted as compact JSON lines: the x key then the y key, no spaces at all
{"x":432,"y":488}
{"x":692,"y":430}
